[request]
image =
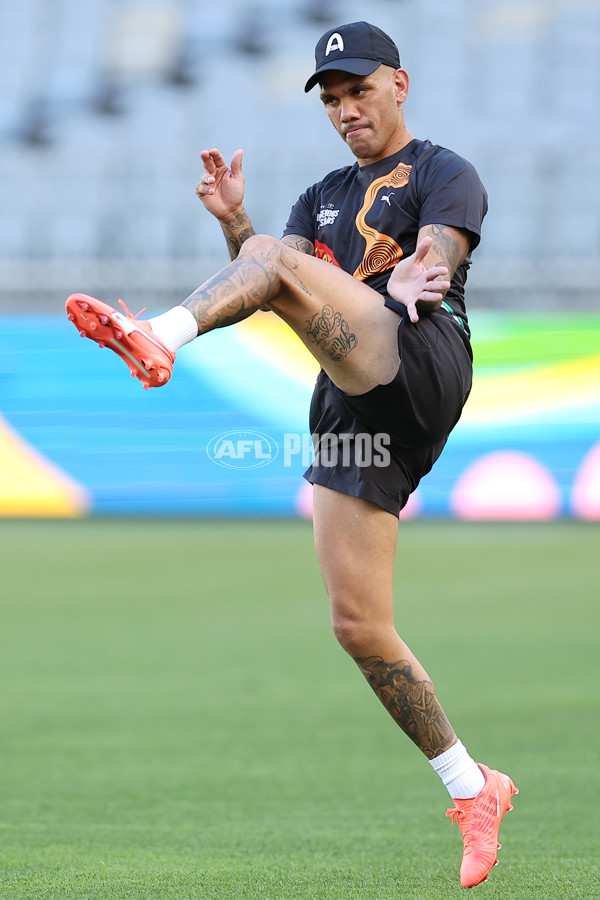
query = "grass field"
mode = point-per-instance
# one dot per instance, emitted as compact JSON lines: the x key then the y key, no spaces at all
{"x":177,"y":720}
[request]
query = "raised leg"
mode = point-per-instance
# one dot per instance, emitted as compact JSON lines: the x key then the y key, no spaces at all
{"x":342,"y":321}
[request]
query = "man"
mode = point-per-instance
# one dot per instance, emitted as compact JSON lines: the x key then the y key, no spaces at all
{"x":370,"y":274}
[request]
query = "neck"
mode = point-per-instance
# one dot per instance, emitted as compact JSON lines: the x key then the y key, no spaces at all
{"x":403,"y":138}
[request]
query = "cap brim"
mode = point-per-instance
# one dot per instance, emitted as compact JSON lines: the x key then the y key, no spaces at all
{"x":353,"y":66}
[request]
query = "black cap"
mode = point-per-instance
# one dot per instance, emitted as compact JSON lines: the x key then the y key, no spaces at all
{"x":358,"y":48}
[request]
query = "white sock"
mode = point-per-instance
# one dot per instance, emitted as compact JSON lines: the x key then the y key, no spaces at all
{"x":461,"y":775}
{"x":175,"y":328}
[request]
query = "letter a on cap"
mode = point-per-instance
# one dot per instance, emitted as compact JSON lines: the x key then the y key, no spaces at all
{"x":335,"y":42}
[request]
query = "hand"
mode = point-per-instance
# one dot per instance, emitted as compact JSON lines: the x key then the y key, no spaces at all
{"x":411,"y":281}
{"x":221,"y":188}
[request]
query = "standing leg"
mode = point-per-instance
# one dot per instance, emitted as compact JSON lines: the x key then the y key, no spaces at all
{"x":356,"y":547}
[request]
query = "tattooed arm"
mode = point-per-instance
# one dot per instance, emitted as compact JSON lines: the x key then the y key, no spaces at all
{"x":420,"y":281}
{"x":302,"y":244}
{"x":237,"y":228}
{"x":221,"y":190}
{"x":449,"y":248}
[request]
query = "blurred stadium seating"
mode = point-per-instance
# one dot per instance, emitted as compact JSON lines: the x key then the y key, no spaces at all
{"x":104,"y":108}
{"x":106,"y":104}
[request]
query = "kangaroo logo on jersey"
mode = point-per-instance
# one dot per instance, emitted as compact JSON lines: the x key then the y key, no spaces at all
{"x":335,"y":42}
{"x":382,"y":251}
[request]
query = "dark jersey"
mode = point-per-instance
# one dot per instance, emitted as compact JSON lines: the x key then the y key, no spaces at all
{"x":366,"y":219}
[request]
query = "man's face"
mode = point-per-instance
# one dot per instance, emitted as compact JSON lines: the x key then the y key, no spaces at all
{"x":367,"y":110}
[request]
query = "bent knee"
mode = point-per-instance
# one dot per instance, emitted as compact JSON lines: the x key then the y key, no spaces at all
{"x":262,"y":245}
{"x":359,"y":635}
{"x":349,"y":633}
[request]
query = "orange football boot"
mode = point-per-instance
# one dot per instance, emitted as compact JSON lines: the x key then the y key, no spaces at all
{"x":479,"y":821}
{"x":146,"y":356}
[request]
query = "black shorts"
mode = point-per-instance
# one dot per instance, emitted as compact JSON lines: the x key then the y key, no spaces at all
{"x":380,"y":444}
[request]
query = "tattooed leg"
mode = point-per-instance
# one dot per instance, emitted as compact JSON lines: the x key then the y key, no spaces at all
{"x":341,"y":321}
{"x":330,"y":331}
{"x":252,"y":280}
{"x":233,"y":294}
{"x":411,"y":702}
{"x":267,"y":271}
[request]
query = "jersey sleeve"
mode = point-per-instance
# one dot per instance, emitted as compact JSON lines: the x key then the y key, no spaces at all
{"x":452,"y":194}
{"x":302,"y":219}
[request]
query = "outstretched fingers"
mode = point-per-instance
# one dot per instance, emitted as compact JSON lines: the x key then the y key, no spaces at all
{"x":423,"y":248}
{"x":434,"y":272}
{"x":433,"y":289}
{"x":435,"y":284}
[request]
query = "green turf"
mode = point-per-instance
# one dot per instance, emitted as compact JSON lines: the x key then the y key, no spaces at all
{"x":192,"y":730}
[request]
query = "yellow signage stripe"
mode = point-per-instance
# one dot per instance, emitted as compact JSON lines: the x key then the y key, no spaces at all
{"x":31,"y":486}
{"x":520,"y":394}
{"x":275,"y":342}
